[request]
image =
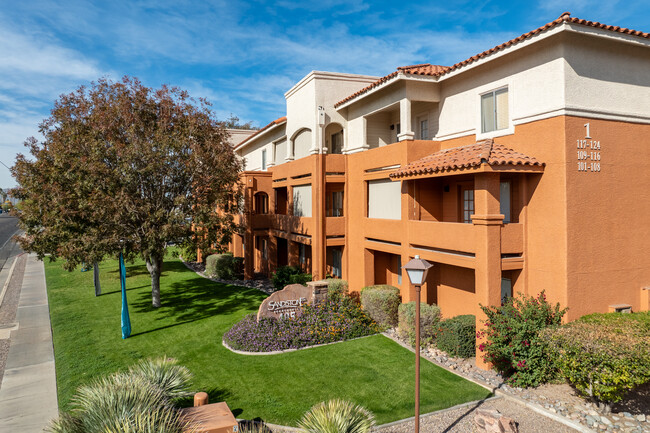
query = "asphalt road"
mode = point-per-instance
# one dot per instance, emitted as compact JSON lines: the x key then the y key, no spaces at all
{"x":8,"y":248}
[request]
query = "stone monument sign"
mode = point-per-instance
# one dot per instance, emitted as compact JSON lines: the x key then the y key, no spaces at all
{"x":290,"y":300}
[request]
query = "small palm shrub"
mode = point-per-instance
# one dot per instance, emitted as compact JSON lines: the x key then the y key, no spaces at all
{"x":603,"y":355}
{"x":381,"y":302}
{"x":457,"y":336}
{"x":337,"y":416}
{"x":140,"y":400}
{"x":286,"y":275}
{"x":513,"y":344}
{"x":429,"y":318}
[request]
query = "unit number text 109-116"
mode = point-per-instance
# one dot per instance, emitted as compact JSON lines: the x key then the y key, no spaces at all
{"x":588,"y":153}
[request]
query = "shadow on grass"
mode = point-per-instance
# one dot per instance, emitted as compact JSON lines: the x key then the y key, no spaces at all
{"x":215,"y":395}
{"x":196,"y":298}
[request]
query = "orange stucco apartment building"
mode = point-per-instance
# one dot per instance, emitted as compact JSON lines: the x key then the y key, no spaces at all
{"x":523,"y":168}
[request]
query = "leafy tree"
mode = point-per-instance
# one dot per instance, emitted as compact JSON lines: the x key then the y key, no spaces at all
{"x":233,"y":123}
{"x":127,"y":168}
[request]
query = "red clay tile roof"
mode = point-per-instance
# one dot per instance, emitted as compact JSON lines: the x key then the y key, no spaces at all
{"x":421,"y":69}
{"x":279,"y":121}
{"x":442,"y":70}
{"x":485,"y":151}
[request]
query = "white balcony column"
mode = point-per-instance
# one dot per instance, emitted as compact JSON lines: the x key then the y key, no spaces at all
{"x":405,"y":120}
{"x":290,"y":155}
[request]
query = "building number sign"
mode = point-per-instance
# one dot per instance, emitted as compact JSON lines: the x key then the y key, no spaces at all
{"x":588,"y":153}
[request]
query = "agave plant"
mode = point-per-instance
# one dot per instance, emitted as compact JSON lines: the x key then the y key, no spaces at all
{"x":173,"y":380}
{"x":140,"y":400}
{"x":337,"y":416}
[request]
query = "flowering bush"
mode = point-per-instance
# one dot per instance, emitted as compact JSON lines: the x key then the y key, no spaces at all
{"x":603,"y":355}
{"x":326,"y":322}
{"x":513,"y":343}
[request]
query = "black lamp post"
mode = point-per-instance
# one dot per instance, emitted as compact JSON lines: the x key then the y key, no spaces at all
{"x":417,"y":270}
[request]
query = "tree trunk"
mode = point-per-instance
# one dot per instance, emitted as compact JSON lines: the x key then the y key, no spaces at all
{"x":154,"y":266}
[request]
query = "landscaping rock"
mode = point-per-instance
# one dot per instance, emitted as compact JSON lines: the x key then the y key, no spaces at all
{"x":491,"y":421}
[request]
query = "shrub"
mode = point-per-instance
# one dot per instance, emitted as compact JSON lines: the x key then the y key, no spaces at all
{"x":326,"y":322}
{"x":603,"y":355}
{"x":513,"y":344}
{"x":138,"y":400}
{"x":337,"y":416}
{"x":188,"y":254}
{"x":457,"y":336}
{"x":336,"y":288}
{"x":381,"y":302}
{"x":224,"y":266}
{"x":429,"y":318}
{"x":286,"y":275}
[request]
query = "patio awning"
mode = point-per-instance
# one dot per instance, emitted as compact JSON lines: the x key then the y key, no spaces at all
{"x":485,"y":155}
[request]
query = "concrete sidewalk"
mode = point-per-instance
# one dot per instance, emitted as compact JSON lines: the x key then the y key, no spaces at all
{"x":28,"y":393}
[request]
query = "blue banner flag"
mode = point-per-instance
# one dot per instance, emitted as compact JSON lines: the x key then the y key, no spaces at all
{"x":126,"y":322}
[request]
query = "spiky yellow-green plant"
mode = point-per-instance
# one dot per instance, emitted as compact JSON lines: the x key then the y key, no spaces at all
{"x":337,"y":416}
{"x":138,"y":401}
{"x":173,"y":380}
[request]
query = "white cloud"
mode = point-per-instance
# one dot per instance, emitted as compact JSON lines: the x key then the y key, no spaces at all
{"x":19,"y":53}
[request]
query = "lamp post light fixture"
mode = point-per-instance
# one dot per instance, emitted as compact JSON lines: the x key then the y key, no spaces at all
{"x":417,"y":270}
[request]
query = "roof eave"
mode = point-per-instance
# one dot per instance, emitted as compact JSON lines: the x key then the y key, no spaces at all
{"x":482,"y":168}
{"x":253,"y":138}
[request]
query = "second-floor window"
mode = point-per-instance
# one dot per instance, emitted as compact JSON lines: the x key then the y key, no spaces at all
{"x":467,"y":204}
{"x":261,"y":203}
{"x":424,"y":129}
{"x":337,"y":204}
{"x":494,"y":110}
{"x":264,"y":159}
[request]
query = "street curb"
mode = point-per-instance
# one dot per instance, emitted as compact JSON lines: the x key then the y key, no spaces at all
{"x":8,"y":280}
{"x":540,"y":410}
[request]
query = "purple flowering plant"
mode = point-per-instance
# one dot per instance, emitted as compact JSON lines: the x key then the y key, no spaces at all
{"x":333,"y":320}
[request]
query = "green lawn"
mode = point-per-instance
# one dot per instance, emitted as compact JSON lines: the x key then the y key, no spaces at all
{"x":374,"y":371}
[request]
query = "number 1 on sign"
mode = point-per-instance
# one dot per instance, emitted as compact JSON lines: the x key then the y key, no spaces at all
{"x":588,"y":136}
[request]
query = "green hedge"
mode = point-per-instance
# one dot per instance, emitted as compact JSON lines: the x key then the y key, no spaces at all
{"x":224,"y":266}
{"x":457,"y":336}
{"x":381,"y":302}
{"x":429,"y":318}
{"x":336,"y":288}
{"x":603,"y":355}
{"x":286,"y":275}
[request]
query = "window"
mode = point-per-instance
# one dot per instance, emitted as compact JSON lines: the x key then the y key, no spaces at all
{"x":384,"y":199}
{"x":337,"y":259}
{"x":504,"y":201}
{"x":494,"y":110}
{"x":302,"y":255}
{"x":399,"y":269}
{"x":280,"y":152}
{"x":302,"y":200}
{"x":506,"y":289}
{"x":261,"y":203}
{"x":337,"y":143}
{"x":265,"y":249}
{"x":467,"y":205}
{"x":424,"y":129}
{"x":337,"y":204}
{"x":264,"y":159}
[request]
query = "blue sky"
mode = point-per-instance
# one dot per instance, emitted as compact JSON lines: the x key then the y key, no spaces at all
{"x":243,"y":56}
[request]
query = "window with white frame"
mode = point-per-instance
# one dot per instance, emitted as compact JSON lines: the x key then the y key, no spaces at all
{"x":494,"y":110}
{"x":424,"y":128}
{"x":264,"y":159}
